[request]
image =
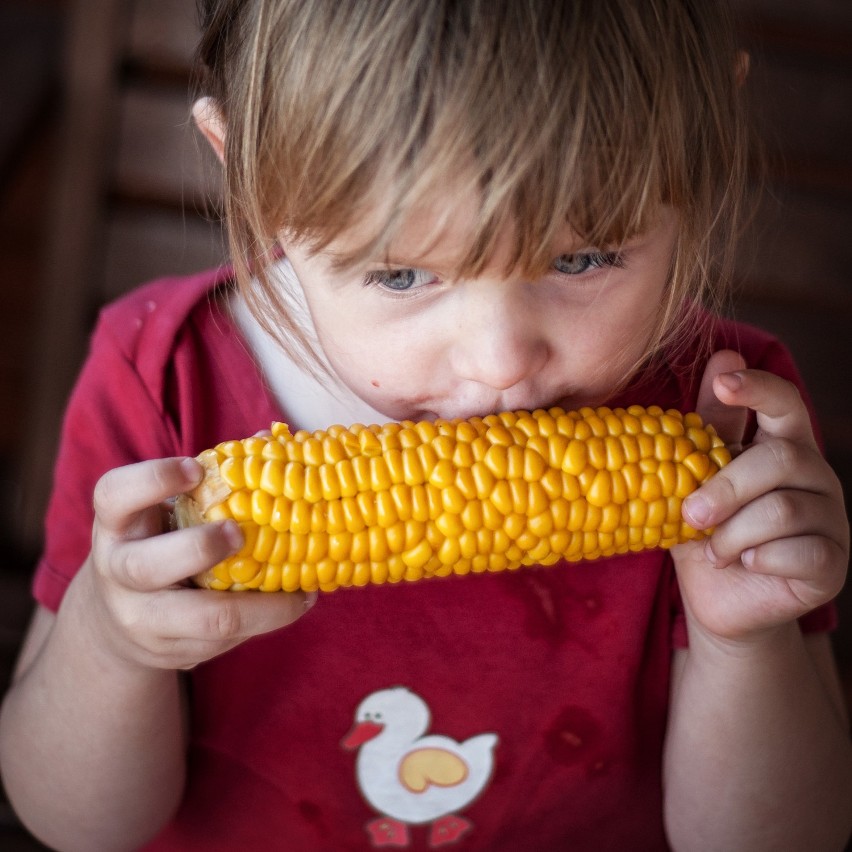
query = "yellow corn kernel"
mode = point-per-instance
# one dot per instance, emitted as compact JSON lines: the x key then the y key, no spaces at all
{"x":239,"y":505}
{"x":501,"y":497}
{"x":375,"y":504}
{"x":466,"y":484}
{"x":576,"y":457}
{"x":300,"y":517}
{"x":497,"y":461}
{"x":537,"y":499}
{"x":395,"y":537}
{"x":262,"y":505}
{"x":386,"y":514}
{"x":401,"y":495}
{"x":231,"y":470}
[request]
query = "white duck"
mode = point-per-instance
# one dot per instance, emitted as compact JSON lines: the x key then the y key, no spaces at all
{"x":411,"y":777}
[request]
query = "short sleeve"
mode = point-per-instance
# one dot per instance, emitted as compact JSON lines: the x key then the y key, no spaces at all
{"x":111,"y":420}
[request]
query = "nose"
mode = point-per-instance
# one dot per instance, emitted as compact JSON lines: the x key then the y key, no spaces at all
{"x":500,"y":341}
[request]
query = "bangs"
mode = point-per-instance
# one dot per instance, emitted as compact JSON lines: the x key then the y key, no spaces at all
{"x":589,"y":114}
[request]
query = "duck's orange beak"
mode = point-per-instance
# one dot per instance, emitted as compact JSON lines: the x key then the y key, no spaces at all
{"x":362,"y":732}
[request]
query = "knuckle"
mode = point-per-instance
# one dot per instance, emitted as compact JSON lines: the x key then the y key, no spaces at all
{"x":722,"y":489}
{"x":108,"y":566}
{"x":134,"y":569}
{"x":104,"y":492}
{"x":128,"y":619}
{"x":821,"y":551}
{"x":226,"y":621}
{"x":781,"y":508}
{"x":827,"y":558}
{"x":826,"y":552}
{"x":786,"y":454}
{"x":794,"y":393}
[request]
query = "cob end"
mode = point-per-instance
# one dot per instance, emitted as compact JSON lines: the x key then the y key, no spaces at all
{"x":190,"y":508}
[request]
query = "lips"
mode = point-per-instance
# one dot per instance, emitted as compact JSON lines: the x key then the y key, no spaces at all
{"x":449,"y":411}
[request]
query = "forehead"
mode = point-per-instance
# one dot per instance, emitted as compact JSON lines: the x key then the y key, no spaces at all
{"x":438,"y":232}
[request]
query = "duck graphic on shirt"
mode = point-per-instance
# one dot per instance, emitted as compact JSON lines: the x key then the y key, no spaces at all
{"x":411,"y":777}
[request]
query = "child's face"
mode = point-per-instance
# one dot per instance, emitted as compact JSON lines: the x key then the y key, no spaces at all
{"x":413,"y":342}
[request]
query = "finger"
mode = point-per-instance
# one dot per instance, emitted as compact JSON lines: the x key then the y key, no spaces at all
{"x":810,"y":558}
{"x":155,"y":563}
{"x":760,"y":469}
{"x":729,"y":420}
{"x":123,"y":493}
{"x":777,"y":515}
{"x":179,"y":629}
{"x":228,"y":617}
{"x":781,"y":413}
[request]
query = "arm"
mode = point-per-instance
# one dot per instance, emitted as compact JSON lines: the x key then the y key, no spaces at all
{"x":92,"y":751}
{"x":92,"y":732}
{"x":757,"y":752}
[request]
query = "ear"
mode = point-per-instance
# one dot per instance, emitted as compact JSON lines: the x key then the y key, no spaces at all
{"x":208,"y":119}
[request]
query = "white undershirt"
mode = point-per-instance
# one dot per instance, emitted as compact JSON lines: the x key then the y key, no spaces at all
{"x":307,"y":402}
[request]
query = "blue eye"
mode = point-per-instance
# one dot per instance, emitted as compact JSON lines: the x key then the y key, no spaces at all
{"x":577,"y":264}
{"x":398,"y":280}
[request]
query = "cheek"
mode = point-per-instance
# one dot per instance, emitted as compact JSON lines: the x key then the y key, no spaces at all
{"x":612,"y":334}
{"x":639,"y":305}
{"x":367,"y":361}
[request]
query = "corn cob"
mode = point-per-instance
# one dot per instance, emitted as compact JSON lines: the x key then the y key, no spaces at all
{"x":404,"y":501}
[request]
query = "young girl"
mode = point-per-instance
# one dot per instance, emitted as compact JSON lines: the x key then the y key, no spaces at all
{"x":441,"y":209}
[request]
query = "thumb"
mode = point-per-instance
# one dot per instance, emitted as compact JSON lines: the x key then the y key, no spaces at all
{"x":729,"y":421}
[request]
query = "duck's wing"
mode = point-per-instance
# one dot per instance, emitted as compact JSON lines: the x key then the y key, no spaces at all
{"x":426,"y":767}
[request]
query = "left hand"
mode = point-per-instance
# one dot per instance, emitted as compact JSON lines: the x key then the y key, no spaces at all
{"x":780,"y":547}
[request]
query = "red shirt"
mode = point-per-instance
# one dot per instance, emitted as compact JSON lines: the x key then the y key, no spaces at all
{"x":523,"y":710}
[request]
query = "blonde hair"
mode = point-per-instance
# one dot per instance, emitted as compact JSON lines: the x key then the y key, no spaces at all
{"x":590,"y":112}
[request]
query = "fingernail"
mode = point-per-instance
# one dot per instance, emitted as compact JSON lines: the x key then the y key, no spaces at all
{"x":747,"y":557}
{"x":310,"y":600}
{"x":697,"y":510}
{"x":233,"y":534}
{"x":191,"y":469}
{"x":709,"y":555}
{"x":731,"y":381}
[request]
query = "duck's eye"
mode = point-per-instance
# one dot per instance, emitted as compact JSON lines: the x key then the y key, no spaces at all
{"x":577,"y":264}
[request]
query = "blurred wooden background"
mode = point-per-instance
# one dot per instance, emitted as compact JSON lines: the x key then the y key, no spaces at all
{"x":104,"y":184}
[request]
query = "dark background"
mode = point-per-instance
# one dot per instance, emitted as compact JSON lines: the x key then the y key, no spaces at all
{"x":103,"y":184}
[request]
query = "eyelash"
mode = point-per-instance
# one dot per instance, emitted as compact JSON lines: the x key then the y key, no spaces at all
{"x":382,"y":277}
{"x":592,"y":260}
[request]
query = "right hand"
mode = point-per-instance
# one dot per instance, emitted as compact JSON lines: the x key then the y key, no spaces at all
{"x":135,"y":575}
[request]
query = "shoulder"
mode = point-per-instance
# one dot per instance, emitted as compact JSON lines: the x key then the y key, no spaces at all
{"x":145,"y":329}
{"x":146,"y":354}
{"x":155,"y":313}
